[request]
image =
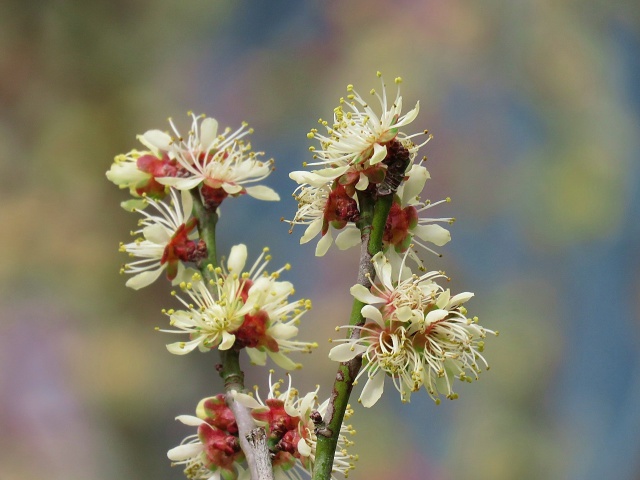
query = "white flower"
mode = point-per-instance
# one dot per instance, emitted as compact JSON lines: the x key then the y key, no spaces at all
{"x":414,"y":332}
{"x":323,"y":208}
{"x":168,"y":239}
{"x":358,"y":133}
{"x":222,"y":161}
{"x":210,"y":454}
{"x":287,"y":417}
{"x":246,"y":308}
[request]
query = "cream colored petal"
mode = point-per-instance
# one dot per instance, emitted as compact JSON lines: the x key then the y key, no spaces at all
{"x":208,"y":132}
{"x":363,"y":182}
{"x":432,"y":233}
{"x":228,"y":340}
{"x":237,"y":258}
{"x":303,"y":448}
{"x":190,"y":420}
{"x":184,"y":452}
{"x":372,"y":313}
{"x":364,"y":295}
{"x":144,"y":279}
{"x":283,"y":361}
{"x":312,"y":230}
{"x":372,"y":391}
{"x":231,"y":188}
{"x":324,"y":244}
{"x":459,"y":299}
{"x":261,"y":192}
{"x":345,"y":352}
{"x":435,"y":316}
{"x":156,"y":141}
{"x":412,"y":188}
{"x":379,"y":153}
{"x":256,"y":356}
{"x":349,"y":237}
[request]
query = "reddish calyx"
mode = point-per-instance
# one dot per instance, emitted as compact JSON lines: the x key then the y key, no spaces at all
{"x":253,"y":332}
{"x":396,"y":230}
{"x":220,"y":448}
{"x":180,"y":248}
{"x":156,"y":167}
{"x":219,"y":414}
{"x":340,"y":209}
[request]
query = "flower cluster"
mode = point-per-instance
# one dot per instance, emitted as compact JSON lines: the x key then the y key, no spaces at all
{"x":214,"y":451}
{"x":241,"y":308}
{"x":365,"y":151}
{"x":291,"y":431}
{"x":219,"y":163}
{"x":415,"y":332}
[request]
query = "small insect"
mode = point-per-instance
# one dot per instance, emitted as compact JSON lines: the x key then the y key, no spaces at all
{"x":397,"y":161}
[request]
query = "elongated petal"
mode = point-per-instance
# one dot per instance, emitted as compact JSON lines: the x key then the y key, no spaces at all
{"x":324,"y":244}
{"x":246,"y":400}
{"x":256,"y":356}
{"x":372,"y":391}
{"x":433,"y":233}
{"x":363,"y":182}
{"x":459,"y":299}
{"x":435,"y":316}
{"x":303,"y":448}
{"x":312,"y":230}
{"x":155,"y":140}
{"x":349,"y":237}
{"x":231,"y":188}
{"x":228,"y":340}
{"x":283,"y":361}
{"x":237,"y":258}
{"x":180,"y":183}
{"x":263,"y":193}
{"x":190,"y":420}
{"x":372,"y":313}
{"x":184,"y":452}
{"x":187,"y":203}
{"x":208,"y":132}
{"x":379,"y":153}
{"x":412,"y":188}
{"x":364,"y":295}
{"x":182,"y":348}
{"x":345,"y":352}
{"x":144,"y":279}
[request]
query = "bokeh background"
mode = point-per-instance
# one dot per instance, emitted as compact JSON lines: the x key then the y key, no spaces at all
{"x":535,"y":109}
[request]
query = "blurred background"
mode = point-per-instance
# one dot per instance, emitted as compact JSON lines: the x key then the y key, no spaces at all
{"x":535,"y":108}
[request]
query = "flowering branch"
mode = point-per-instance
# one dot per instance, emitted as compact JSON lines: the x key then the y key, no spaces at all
{"x":255,"y":449}
{"x":373,"y":217}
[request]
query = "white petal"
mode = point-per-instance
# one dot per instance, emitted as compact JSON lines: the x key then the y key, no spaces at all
{"x":324,"y":244}
{"x":187,"y":203}
{"x":184,"y":452}
{"x":283,"y":332}
{"x":363,"y":182}
{"x":228,"y":339}
{"x":208,"y":132}
{"x":404,"y":314}
{"x":190,"y":420}
{"x":180,"y":183}
{"x":303,"y":448}
{"x":231,"y":188}
{"x":432,"y":233}
{"x":182,"y":348}
{"x":345,"y":352}
{"x":364,"y":295}
{"x":459,"y":299}
{"x":372,"y":391}
{"x":412,"y":188}
{"x":283,"y":361}
{"x":263,"y":193}
{"x":410,"y":116}
{"x":237,"y":258}
{"x":379,"y":153}
{"x":246,"y":400}
{"x":144,"y":279}
{"x":155,"y":140}
{"x":256,"y":356}
{"x":156,"y":233}
{"x":372,"y":313}
{"x":312,"y":230}
{"x":435,"y":316}
{"x":349,"y":237}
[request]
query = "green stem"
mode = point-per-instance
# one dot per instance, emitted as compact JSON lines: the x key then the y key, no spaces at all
{"x":207,"y":221}
{"x":373,"y":218}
